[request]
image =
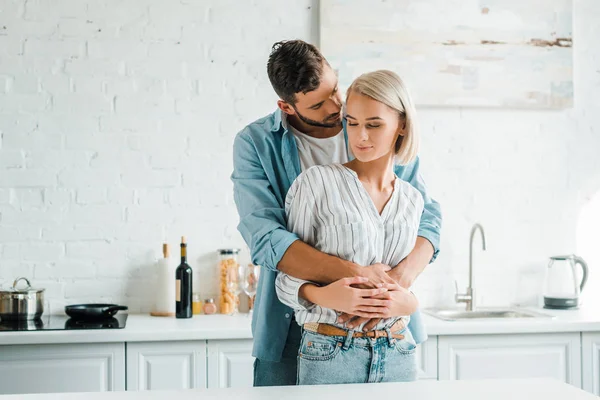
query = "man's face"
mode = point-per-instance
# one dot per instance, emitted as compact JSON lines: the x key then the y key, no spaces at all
{"x":323,"y":106}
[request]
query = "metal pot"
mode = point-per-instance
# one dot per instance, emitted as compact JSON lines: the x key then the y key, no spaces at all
{"x":21,"y":304}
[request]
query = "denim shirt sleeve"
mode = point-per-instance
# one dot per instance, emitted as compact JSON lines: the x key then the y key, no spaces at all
{"x":262,"y":217}
{"x":431,"y":220}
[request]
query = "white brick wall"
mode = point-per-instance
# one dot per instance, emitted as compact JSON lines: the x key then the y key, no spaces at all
{"x":116,"y":124}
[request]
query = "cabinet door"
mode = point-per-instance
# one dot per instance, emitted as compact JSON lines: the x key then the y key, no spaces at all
{"x":427,"y":358}
{"x":166,"y":365}
{"x":61,"y":368}
{"x":555,"y":355}
{"x":591,"y":362}
{"x":230,"y":363}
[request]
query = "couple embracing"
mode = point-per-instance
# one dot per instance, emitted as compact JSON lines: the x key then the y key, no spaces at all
{"x":334,"y":209}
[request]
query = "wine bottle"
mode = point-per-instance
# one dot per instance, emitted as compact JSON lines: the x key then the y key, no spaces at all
{"x":183,"y":285}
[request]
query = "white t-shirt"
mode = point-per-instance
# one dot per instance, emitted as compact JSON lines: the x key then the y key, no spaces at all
{"x":315,"y":151}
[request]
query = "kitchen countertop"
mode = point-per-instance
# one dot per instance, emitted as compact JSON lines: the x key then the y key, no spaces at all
{"x":498,"y":389}
{"x":141,"y":328}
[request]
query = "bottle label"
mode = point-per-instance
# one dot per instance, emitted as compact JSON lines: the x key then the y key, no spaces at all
{"x":178,"y":290}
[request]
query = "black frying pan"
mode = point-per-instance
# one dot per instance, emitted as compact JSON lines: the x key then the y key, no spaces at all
{"x":93,"y":311}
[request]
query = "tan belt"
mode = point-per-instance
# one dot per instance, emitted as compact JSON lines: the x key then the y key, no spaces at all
{"x":330,"y":330}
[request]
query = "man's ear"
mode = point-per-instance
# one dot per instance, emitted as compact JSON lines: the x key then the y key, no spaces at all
{"x":286,"y":107}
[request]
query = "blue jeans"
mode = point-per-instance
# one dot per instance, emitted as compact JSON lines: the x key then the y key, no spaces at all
{"x":337,"y":359}
{"x":284,"y":372}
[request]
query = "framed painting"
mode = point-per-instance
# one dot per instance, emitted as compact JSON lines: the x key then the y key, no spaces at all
{"x":493,"y":53}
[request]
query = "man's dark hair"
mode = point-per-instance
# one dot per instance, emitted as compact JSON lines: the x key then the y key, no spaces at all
{"x":294,"y":66}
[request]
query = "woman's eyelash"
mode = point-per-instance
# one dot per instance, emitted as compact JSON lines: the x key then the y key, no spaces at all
{"x":368,"y":126}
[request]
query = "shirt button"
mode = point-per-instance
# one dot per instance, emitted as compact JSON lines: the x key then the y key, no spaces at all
{"x":287,"y":315}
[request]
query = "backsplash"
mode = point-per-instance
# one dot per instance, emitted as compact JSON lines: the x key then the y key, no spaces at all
{"x":117,"y":120}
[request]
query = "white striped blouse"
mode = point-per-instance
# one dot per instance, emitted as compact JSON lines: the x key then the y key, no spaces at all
{"x":328,"y":207}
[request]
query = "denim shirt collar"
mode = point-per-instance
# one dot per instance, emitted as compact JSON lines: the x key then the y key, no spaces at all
{"x":289,"y":150}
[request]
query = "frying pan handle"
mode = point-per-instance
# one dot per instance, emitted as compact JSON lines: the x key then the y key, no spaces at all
{"x":109,"y":310}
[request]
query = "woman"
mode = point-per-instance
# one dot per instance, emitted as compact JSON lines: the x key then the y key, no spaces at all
{"x":362,"y":212}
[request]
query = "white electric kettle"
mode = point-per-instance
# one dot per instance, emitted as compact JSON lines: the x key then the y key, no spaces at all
{"x":562,"y":287}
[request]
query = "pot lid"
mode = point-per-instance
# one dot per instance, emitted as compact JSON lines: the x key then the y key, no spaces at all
{"x":25,"y":290}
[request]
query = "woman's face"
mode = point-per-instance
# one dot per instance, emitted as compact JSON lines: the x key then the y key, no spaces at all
{"x":373,"y":127}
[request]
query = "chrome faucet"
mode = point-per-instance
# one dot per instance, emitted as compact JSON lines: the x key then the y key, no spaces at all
{"x":469,"y":296}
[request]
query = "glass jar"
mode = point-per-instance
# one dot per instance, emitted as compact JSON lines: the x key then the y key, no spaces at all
{"x":196,"y":304}
{"x":229,"y":285}
{"x":209,"y":306}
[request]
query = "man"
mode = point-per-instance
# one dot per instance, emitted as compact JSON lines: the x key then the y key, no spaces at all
{"x":269,"y":154}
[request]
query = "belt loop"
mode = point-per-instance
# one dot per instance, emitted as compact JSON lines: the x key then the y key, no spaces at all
{"x":348,"y":339}
{"x":391,"y":340}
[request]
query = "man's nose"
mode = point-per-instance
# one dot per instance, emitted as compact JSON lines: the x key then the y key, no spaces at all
{"x":337,"y":100}
{"x":333,"y":106}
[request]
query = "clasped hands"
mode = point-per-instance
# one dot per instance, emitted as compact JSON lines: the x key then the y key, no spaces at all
{"x":377,"y":293}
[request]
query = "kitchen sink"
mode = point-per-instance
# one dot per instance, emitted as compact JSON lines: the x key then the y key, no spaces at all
{"x":484,"y":313}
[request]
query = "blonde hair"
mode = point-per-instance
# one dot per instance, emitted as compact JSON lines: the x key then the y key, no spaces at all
{"x":386,"y":87}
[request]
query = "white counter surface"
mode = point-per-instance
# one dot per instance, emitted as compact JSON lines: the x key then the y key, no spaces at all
{"x":140,"y":328}
{"x":423,"y":390}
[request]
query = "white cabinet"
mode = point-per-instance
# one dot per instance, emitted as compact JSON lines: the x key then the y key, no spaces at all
{"x":230,"y":363}
{"x":60,"y":368}
{"x":173,"y":365}
{"x":166,"y":365}
{"x":427,"y":358}
{"x":553,"y":355}
{"x":590,"y":347}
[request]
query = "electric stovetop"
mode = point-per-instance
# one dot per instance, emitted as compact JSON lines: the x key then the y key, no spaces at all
{"x":63,"y":322}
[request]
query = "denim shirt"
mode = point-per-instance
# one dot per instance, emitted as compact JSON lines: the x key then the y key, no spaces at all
{"x":265,"y":163}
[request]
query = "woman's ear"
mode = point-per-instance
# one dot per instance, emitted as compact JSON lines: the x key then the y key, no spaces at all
{"x":401,"y":127}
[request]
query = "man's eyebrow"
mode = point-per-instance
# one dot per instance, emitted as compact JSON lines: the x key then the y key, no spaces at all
{"x":317,"y":105}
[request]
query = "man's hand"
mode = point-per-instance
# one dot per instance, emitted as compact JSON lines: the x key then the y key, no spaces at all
{"x":404,"y":274}
{"x":341,"y":296}
{"x":412,"y":265}
{"x":402,"y":302}
{"x":376,"y":274}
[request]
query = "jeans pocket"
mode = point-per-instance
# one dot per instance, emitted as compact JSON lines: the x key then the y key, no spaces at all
{"x":407,"y":345}
{"x":343,"y":366}
{"x":317,"y":347}
{"x":401,"y":366}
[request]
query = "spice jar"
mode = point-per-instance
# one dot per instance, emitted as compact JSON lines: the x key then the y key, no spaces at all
{"x":209,"y":306}
{"x":229,"y":285}
{"x":196,"y":304}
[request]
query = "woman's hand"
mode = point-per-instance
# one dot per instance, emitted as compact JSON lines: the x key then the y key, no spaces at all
{"x":341,"y":296}
{"x":403,"y":302}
